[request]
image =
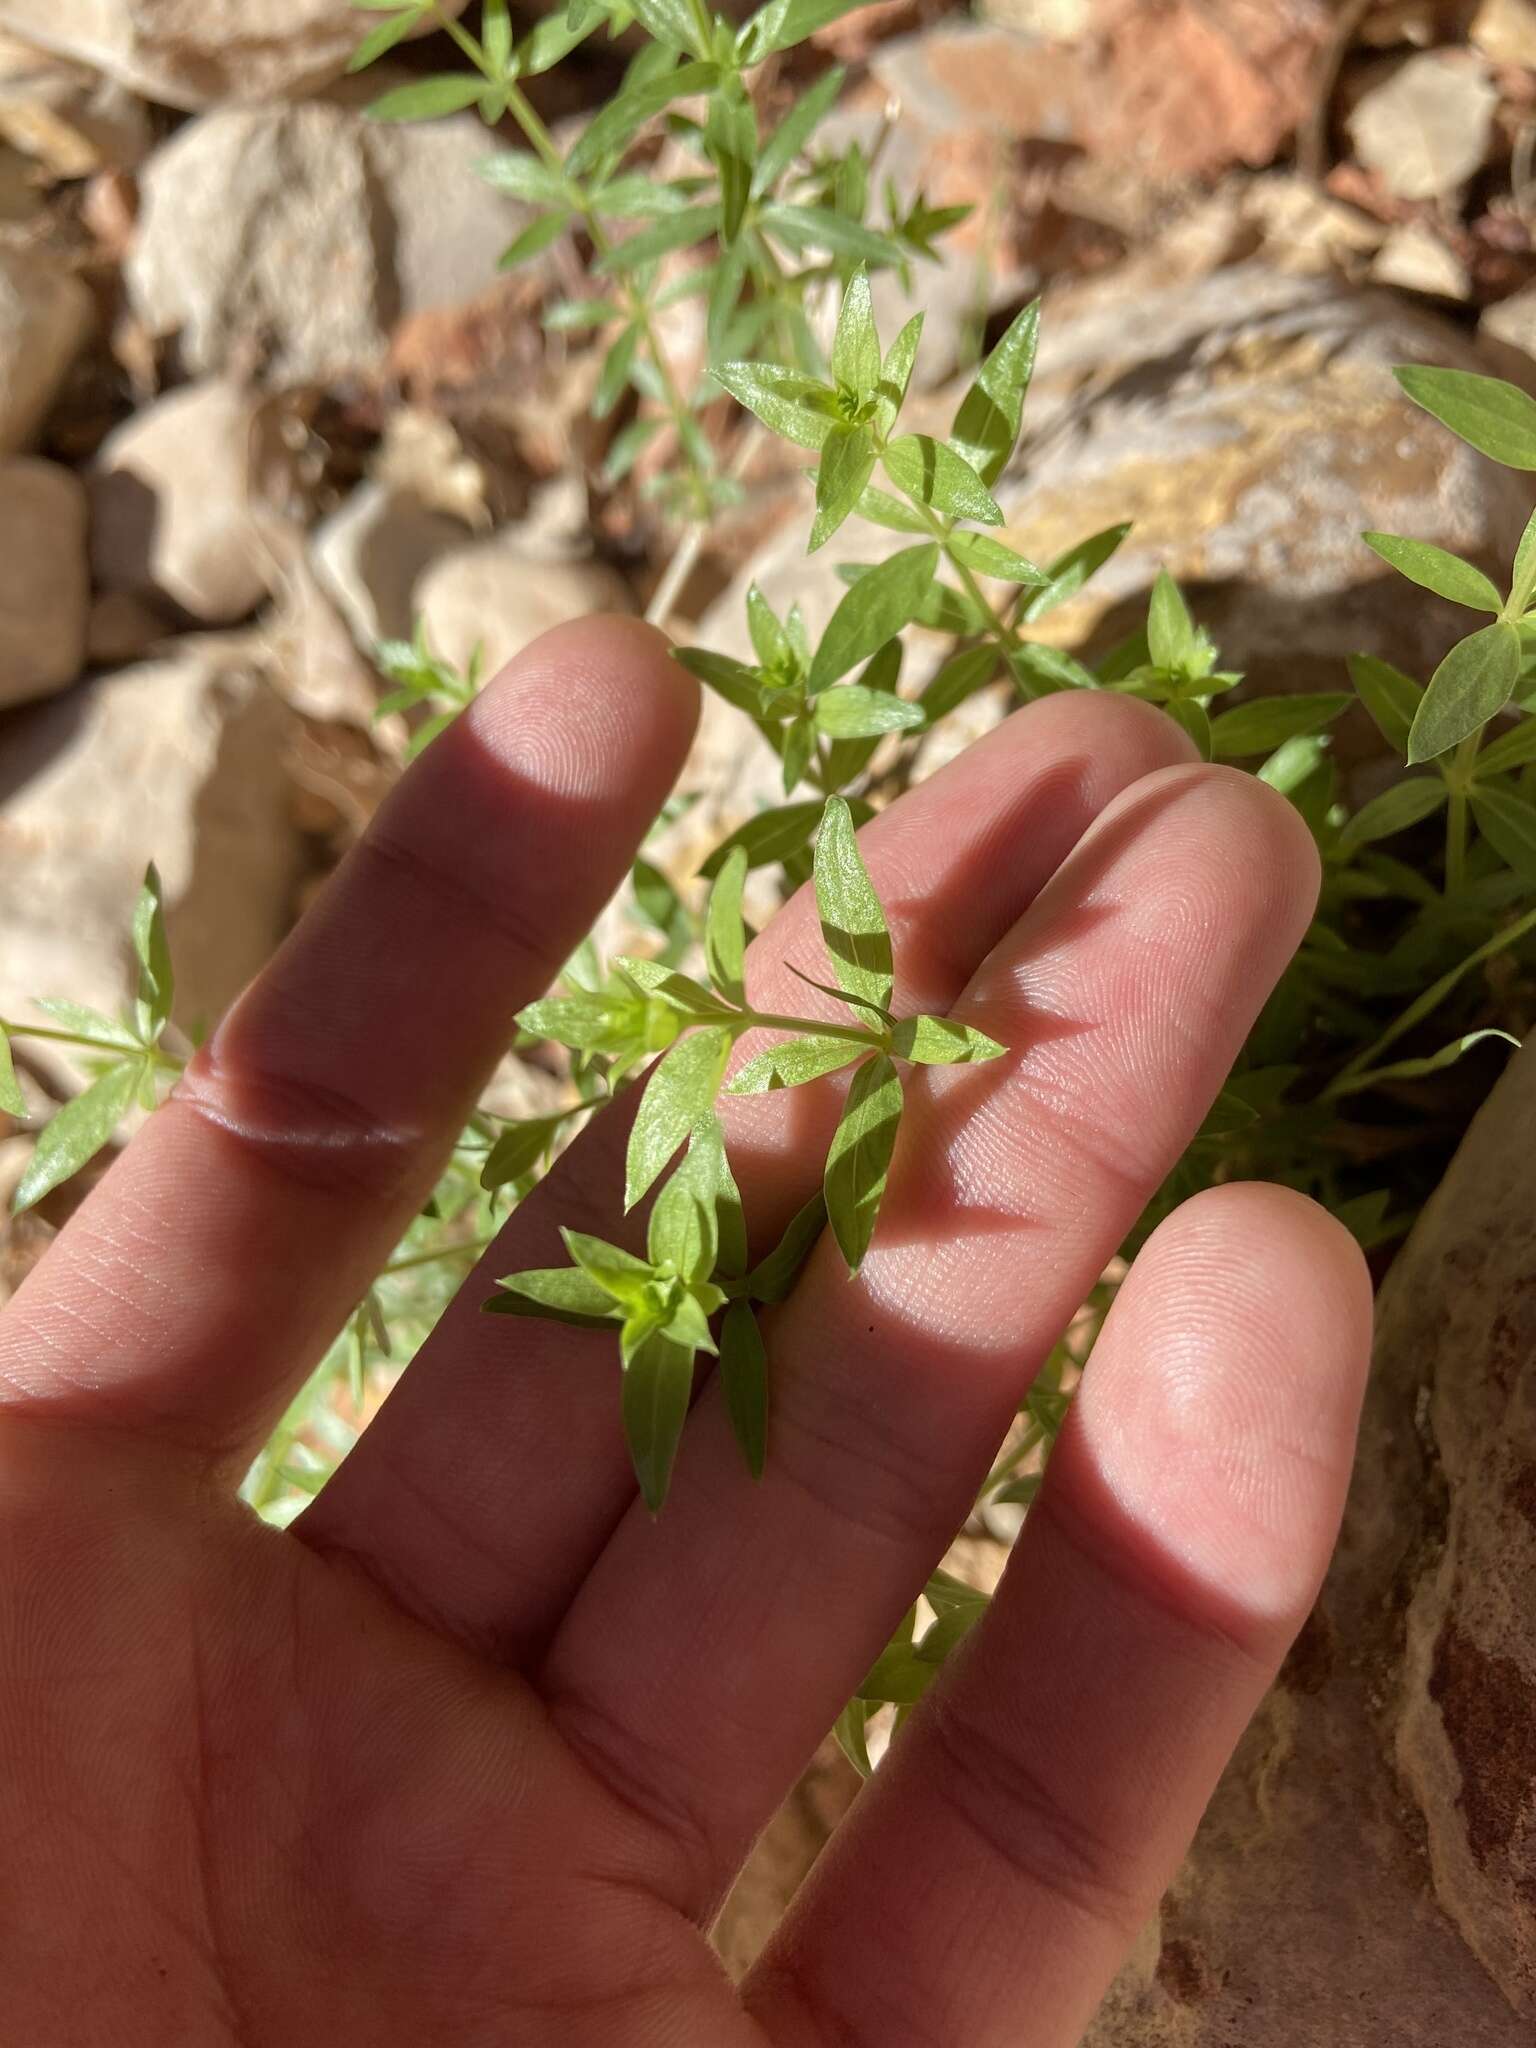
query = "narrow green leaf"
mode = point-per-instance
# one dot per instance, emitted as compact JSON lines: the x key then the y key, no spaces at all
{"x":383,"y":38}
{"x":989,"y":557}
{"x":672,"y":22}
{"x":428,"y":98}
{"x":771,"y":836}
{"x":847,"y":463}
{"x":725,"y":935}
{"x":623,"y":118}
{"x":680,"y":1089}
{"x":152,"y":949}
{"x":1523,"y":581}
{"x":1433,"y":1063}
{"x":1445,"y":574}
{"x":874,"y":610}
{"x":539,"y":235}
{"x":658,"y":1381}
{"x":519,"y":1148}
{"x":1268,"y":722}
{"x":852,"y":1731}
{"x":681,"y":991}
{"x":77,"y":1133}
{"x":960,"y":678}
{"x":672,"y":231}
{"x":522,"y":175}
{"x":1508,"y":823}
{"x":782,"y":23}
{"x":1069,"y":572}
{"x":683,"y":1233}
{"x":865,"y":1010}
{"x":805,"y":116}
{"x":803,"y":228}
{"x":557,"y":1294}
{"x":744,"y":1381}
{"x":12,"y":1100}
{"x":1404,"y":804}
{"x":942,"y":1042}
{"x":935,"y":476}
{"x":795,"y":1061}
{"x":1170,"y":629}
{"x":779,"y":399}
{"x":774,"y":1277}
{"x":1476,"y":679}
{"x":1513,"y":749}
{"x":619,"y":1274}
{"x":732,"y":680}
{"x":1496,"y":418}
{"x":881,"y":509}
{"x":1388,"y":695}
{"x":987,"y":425}
{"x":554,"y":38}
{"x":860,"y":1157}
{"x":896,"y":373}
{"x":87,"y":1023}
{"x":853,"y":925}
{"x":856,"y":344}
{"x":852,"y":712}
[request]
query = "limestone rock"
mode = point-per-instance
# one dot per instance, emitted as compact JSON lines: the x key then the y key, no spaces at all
{"x":1249,"y":425}
{"x":179,"y":760}
{"x":1427,"y":127}
{"x":1415,"y":259}
{"x":304,"y":234}
{"x":495,"y":595}
{"x":1505,"y":31}
{"x":1366,"y":1874}
{"x":45,"y":320}
{"x":43,"y":583}
{"x":190,"y":53}
{"x":370,"y":554}
{"x":172,"y":506}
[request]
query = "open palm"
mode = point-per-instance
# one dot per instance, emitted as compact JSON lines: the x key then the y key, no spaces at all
{"x":472,"y":1753}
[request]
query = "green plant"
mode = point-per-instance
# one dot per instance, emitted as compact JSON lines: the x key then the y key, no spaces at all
{"x":1346,"y":1089}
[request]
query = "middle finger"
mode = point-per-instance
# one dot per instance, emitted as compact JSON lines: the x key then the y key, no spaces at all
{"x":496,"y":1471}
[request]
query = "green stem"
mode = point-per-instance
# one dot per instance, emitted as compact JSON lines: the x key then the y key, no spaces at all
{"x":1458,"y":777}
{"x":1430,"y":1000}
{"x":542,"y":144}
{"x":150,"y":1052}
{"x":813,"y":1027}
{"x":997,"y":629}
{"x":466,"y":1247}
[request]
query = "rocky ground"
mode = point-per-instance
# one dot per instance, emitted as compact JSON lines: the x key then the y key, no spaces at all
{"x":265,"y":400}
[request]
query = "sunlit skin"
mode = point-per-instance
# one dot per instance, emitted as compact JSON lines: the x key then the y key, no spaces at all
{"x":472,"y":1753}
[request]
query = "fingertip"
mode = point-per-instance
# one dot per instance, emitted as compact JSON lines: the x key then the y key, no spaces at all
{"x":588,"y":700}
{"x":1222,"y":1402}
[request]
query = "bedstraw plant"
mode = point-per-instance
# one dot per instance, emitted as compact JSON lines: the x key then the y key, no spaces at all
{"x":678,"y":189}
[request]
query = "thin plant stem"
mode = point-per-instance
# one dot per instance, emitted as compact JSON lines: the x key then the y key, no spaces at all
{"x":1431,"y":998}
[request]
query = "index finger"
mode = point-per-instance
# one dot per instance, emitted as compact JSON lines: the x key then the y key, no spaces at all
{"x":213,"y":1264}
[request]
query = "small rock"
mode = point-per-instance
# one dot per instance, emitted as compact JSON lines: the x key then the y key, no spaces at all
{"x":1427,"y":128}
{"x":171,"y":503}
{"x":304,"y":234}
{"x":191,"y":56}
{"x":1505,"y":32}
{"x":43,"y":584}
{"x":178,"y":760}
{"x":1415,"y":258}
{"x":496,"y":596}
{"x":371,"y":553}
{"x":1056,"y":21}
{"x":1508,"y":331}
{"x":70,"y":120}
{"x":45,"y":320}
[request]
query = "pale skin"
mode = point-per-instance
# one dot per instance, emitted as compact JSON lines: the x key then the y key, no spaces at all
{"x":472,"y":1754}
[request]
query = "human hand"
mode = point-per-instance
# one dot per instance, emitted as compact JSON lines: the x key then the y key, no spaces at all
{"x":471,"y":1754}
